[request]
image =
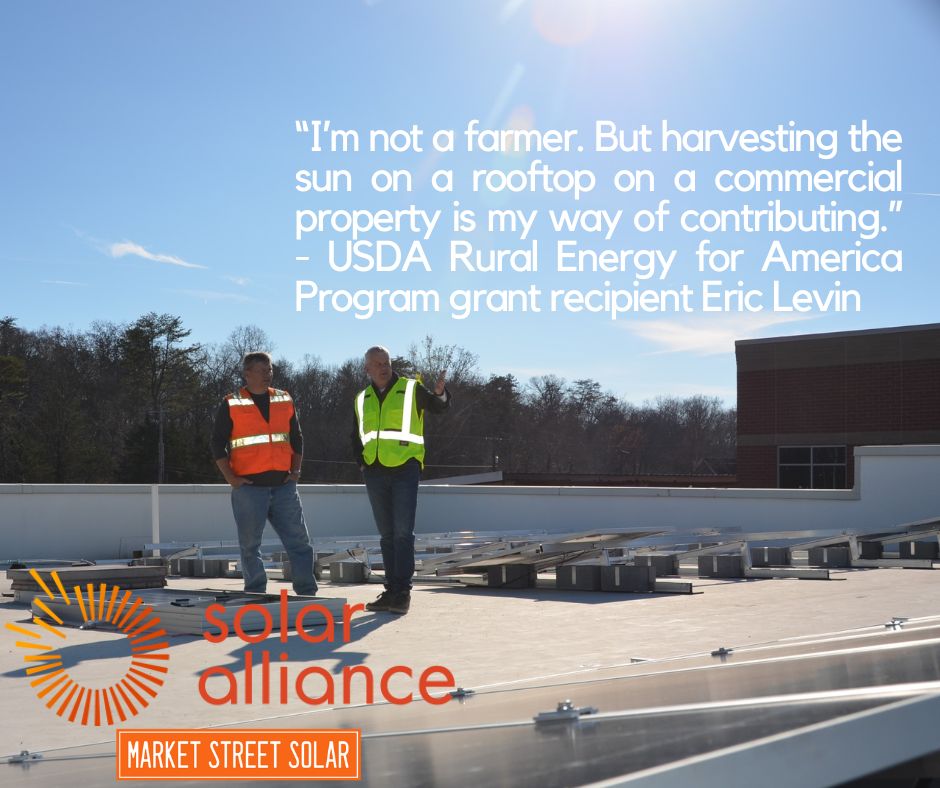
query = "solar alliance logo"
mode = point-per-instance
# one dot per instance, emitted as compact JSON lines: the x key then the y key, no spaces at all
{"x":104,"y":604}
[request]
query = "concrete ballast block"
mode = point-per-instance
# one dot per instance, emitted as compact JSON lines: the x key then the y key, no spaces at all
{"x":578,"y":577}
{"x":628,"y":579}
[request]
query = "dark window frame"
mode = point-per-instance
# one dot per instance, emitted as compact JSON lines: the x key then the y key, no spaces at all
{"x":833,"y":468}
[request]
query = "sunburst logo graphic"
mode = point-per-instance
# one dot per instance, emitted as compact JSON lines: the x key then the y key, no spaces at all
{"x":68,"y":698}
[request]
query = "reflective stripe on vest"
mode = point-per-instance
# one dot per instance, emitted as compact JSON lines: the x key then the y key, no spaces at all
{"x":405,"y":434}
{"x":364,"y":437}
{"x":391,"y":435}
{"x":254,"y":440}
{"x":276,"y":396}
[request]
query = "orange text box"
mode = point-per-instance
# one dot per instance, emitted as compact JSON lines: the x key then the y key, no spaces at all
{"x":244,"y":754}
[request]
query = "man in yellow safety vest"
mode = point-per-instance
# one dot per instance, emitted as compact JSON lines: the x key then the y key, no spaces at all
{"x":388,"y":443}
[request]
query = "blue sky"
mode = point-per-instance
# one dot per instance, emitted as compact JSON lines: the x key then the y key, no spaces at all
{"x":149,"y":154}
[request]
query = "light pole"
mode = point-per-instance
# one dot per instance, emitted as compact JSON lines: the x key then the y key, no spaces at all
{"x":161,"y":451}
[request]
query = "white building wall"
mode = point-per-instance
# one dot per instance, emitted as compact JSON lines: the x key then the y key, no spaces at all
{"x":895,"y":484}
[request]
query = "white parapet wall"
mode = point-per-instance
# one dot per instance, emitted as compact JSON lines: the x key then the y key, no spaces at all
{"x":894,"y":485}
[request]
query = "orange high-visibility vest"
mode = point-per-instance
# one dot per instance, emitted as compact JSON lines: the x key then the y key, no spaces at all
{"x":257,"y":445}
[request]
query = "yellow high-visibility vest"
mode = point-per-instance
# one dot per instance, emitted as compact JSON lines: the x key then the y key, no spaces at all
{"x":391,"y":431}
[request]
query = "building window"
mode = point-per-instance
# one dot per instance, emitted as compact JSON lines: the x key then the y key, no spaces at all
{"x":811,"y":467}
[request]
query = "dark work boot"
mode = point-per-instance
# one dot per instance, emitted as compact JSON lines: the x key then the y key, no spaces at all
{"x":381,"y":603}
{"x":400,"y":603}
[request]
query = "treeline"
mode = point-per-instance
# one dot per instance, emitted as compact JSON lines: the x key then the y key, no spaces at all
{"x":134,"y":403}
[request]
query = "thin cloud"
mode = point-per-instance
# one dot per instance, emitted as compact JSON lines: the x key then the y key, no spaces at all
{"x":123,"y":248}
{"x":923,"y":194}
{"x":215,"y":295}
{"x":706,"y":338}
{"x":129,"y":247}
{"x":63,"y":282}
{"x":241,"y":281}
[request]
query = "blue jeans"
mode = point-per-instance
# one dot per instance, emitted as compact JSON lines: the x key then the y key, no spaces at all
{"x":253,"y":505}
{"x":393,"y":493}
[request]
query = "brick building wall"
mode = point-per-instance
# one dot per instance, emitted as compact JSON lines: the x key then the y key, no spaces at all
{"x":847,"y":389}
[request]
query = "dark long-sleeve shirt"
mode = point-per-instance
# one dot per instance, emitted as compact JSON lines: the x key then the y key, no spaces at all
{"x":222,"y":434}
{"x":424,"y":399}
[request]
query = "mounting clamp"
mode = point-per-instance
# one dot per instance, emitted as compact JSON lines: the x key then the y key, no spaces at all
{"x":566,"y":711}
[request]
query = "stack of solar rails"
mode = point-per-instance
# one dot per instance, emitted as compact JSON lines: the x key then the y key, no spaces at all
{"x":431,"y":543}
{"x":448,"y":565}
{"x":448,"y":541}
{"x":586,"y":555}
{"x":433,"y":551}
{"x":353,"y":559}
{"x":26,"y":582}
{"x":183,"y":611}
{"x":26,"y":563}
{"x":429,"y":546}
{"x":918,"y":543}
{"x":811,"y":711}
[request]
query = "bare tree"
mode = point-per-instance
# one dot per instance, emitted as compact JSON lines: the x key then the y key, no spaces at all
{"x":430,"y":359}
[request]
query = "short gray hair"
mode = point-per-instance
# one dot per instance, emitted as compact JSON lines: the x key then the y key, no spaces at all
{"x":374,"y":350}
{"x":255,"y":357}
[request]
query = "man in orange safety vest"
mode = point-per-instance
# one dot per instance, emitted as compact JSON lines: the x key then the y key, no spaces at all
{"x":258,"y":447}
